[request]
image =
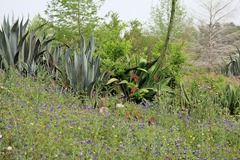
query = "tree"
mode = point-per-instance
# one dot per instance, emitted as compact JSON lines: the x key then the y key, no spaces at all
{"x":210,"y":28}
{"x":182,"y":29}
{"x":160,"y":17}
{"x":135,"y":35}
{"x":38,"y":20}
{"x":71,"y":17}
{"x":111,"y":45}
{"x":224,"y":43}
{"x":142,"y":44}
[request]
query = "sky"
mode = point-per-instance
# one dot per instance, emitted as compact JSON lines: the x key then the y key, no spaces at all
{"x":127,"y":9}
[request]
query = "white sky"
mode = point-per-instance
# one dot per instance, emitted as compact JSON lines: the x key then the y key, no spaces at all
{"x":127,"y":9}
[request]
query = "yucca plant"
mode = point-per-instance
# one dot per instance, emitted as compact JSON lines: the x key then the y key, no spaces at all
{"x":20,"y":48}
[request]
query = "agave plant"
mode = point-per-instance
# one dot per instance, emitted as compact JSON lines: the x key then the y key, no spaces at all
{"x":233,"y":67}
{"x":230,"y":98}
{"x":21,"y":48}
{"x":9,"y":40}
{"x":81,"y":70}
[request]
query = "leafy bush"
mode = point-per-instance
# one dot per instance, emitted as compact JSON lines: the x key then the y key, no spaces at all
{"x":111,"y":46}
{"x":175,"y":60}
{"x":142,"y":82}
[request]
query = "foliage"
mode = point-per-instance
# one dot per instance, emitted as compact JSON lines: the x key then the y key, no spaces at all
{"x":21,"y":48}
{"x":141,"y":44}
{"x":211,"y":89}
{"x":141,"y":83}
{"x":70,"y":18}
{"x":84,"y":71}
{"x":37,"y":123}
{"x":233,"y":67}
{"x":111,"y":46}
{"x":230,"y":98}
{"x":175,"y":60}
{"x":76,"y":68}
{"x":196,"y":95}
{"x":224,"y":41}
{"x":160,"y":17}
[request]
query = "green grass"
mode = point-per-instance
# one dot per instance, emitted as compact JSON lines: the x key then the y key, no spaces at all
{"x":39,"y":123}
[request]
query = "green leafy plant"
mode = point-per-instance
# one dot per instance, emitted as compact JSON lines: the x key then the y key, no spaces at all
{"x":111,"y":46}
{"x":141,"y":82}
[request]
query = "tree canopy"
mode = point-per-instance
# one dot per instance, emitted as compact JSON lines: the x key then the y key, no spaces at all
{"x":72,"y":17}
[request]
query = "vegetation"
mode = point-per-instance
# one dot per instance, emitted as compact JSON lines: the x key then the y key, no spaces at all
{"x":37,"y":122}
{"x":102,"y":88}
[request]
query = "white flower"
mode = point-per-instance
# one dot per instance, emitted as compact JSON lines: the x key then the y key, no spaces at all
{"x":104,"y":111}
{"x":1,"y":136}
{"x":119,"y":105}
{"x":9,"y":148}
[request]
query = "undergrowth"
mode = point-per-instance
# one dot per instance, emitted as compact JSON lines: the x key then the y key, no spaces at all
{"x":39,"y":122}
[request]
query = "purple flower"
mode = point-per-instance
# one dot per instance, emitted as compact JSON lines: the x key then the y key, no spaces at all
{"x":141,"y":126}
{"x":120,"y":147}
{"x":176,"y":144}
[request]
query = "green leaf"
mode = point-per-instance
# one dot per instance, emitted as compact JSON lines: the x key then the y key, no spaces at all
{"x":143,"y":90}
{"x":124,"y":82}
{"x":141,"y":69}
{"x":112,"y":80}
